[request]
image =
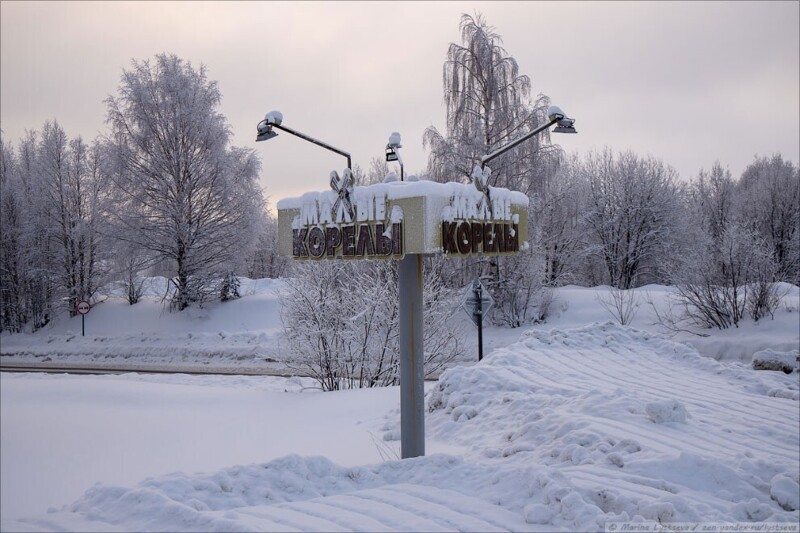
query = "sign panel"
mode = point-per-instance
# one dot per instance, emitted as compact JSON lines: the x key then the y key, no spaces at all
{"x":389,"y":220}
{"x":83,"y":307}
{"x":474,"y":294}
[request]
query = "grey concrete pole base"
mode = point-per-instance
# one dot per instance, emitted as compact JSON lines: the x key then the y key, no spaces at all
{"x":412,"y":358}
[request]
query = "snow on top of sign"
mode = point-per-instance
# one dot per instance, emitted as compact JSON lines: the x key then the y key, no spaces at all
{"x":398,"y":190}
{"x":394,"y":139}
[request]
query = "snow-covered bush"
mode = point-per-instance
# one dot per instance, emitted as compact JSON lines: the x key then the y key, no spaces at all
{"x":341,"y":322}
{"x":764,"y":298}
{"x":621,"y":304}
{"x":519,"y":290}
{"x":717,"y":280}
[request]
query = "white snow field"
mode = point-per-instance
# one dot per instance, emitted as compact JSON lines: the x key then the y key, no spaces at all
{"x":567,"y":426}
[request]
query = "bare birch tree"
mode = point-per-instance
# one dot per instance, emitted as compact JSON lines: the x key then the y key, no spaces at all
{"x":488,"y":104}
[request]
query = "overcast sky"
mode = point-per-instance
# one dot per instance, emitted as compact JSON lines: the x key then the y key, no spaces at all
{"x":688,"y":82}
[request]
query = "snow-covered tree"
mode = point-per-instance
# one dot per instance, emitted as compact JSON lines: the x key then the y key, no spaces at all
{"x":729,"y":267}
{"x":488,"y":104}
{"x":631,"y":213}
{"x":38,"y":281}
{"x":229,"y":287}
{"x":769,"y":203}
{"x":51,"y":247}
{"x":713,"y":197}
{"x":70,"y":179}
{"x":182,"y":193}
{"x":13,"y":312}
{"x":556,"y":217}
{"x":264,"y":261}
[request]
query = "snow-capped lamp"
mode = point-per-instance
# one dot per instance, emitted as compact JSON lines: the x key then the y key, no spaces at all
{"x":274,"y":119}
{"x":392,"y":153}
{"x":264,"y":128}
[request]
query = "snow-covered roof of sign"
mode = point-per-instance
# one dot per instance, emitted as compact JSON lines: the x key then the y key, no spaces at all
{"x":398,"y":190}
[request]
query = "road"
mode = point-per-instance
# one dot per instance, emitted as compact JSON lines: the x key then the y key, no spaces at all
{"x":116,"y":368}
{"x":55,"y":367}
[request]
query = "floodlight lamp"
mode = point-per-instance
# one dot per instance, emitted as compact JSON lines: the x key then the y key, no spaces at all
{"x":265,"y":131}
{"x":565,"y":125}
{"x":391,"y":154}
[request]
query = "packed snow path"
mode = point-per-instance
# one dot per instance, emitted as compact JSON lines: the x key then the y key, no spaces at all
{"x":400,"y":507}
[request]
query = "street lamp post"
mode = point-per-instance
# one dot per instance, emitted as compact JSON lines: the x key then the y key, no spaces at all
{"x":555,"y":116}
{"x":274,"y":119}
{"x":565,"y":125}
{"x":410,"y":277}
{"x":410,"y":268}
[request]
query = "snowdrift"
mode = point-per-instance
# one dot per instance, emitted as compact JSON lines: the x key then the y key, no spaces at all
{"x":565,"y":430}
{"x":637,"y":424}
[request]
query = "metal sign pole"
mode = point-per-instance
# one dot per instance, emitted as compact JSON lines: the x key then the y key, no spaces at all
{"x":479,"y":312}
{"x":82,"y":308}
{"x":412,"y":357}
{"x":476,"y":303}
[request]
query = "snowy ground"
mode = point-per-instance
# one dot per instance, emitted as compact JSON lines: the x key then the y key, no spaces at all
{"x":572,"y":425}
{"x":247,"y":333}
{"x":243,"y":332}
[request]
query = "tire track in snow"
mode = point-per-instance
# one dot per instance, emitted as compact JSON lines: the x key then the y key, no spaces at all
{"x":434,"y":507}
{"x":401,"y":507}
{"x":675,"y":387}
{"x":335,"y":509}
{"x":713,"y":407}
{"x":754,"y":399}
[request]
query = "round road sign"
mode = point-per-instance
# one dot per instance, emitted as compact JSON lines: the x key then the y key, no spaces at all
{"x":84,"y":307}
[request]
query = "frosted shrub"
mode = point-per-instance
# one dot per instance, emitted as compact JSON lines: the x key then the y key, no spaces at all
{"x":520,"y":293}
{"x":723,"y":279}
{"x":764,"y":296}
{"x":341,"y":322}
{"x":621,"y":304}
